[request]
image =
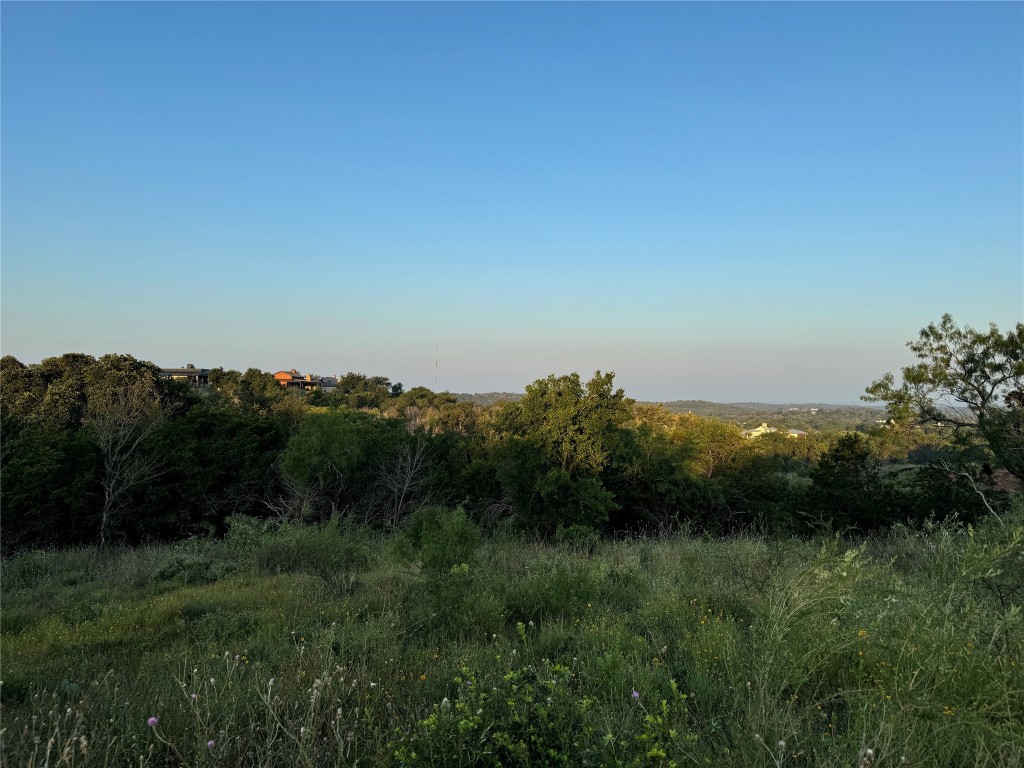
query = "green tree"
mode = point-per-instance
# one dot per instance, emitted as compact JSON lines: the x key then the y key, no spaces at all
{"x":847,"y":486}
{"x":557,"y":446}
{"x":357,"y":390}
{"x":967,"y":381}
{"x":335,"y":460}
{"x":650,"y":480}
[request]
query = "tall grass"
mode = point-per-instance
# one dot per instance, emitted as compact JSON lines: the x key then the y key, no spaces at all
{"x":339,"y":646}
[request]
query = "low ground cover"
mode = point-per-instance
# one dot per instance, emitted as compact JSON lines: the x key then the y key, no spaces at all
{"x":315,"y":646}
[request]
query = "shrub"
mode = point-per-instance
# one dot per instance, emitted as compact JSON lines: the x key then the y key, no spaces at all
{"x":445,"y":537}
{"x":582,"y":538}
{"x":244,"y":533}
{"x":332,"y":551}
{"x":26,"y":569}
{"x":528,"y":717}
{"x":453,"y":604}
{"x":559,"y":588}
{"x":193,"y":568}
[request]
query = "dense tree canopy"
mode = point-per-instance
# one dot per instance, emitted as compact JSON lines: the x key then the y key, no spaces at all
{"x":105,"y":450}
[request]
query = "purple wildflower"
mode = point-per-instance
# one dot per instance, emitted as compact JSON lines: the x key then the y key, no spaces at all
{"x":635,"y":694}
{"x":211,"y":744}
{"x":152,"y":722}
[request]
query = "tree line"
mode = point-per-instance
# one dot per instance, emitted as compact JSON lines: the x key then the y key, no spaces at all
{"x":104,"y":450}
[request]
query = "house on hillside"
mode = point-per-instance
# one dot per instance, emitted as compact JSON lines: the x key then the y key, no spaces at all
{"x":294,"y":380}
{"x":198,"y":377}
{"x":764,"y":429}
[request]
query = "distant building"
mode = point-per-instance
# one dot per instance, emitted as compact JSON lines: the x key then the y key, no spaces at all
{"x":764,"y":429}
{"x":199,"y":377}
{"x":294,"y":380}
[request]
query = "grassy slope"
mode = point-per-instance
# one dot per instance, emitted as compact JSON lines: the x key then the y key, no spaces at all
{"x":909,"y":645}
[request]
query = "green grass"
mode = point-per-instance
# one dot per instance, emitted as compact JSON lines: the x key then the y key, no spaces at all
{"x":336,"y":646}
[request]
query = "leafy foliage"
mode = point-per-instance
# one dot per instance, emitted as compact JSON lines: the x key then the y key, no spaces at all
{"x":556,"y":447}
{"x":967,"y":379}
{"x":80,"y":466}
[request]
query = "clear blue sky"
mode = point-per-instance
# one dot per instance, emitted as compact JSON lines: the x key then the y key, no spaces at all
{"x":725,"y":201}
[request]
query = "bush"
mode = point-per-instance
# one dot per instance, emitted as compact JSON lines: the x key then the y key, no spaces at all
{"x":537,"y":715}
{"x":244,"y":533}
{"x":458,"y":603}
{"x":531,"y":716}
{"x":26,"y":569}
{"x":445,"y":537}
{"x":581,"y":538}
{"x":193,"y":568}
{"x":557,"y":588}
{"x":332,"y":551}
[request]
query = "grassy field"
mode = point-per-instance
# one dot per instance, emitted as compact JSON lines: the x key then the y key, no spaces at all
{"x":339,"y":646}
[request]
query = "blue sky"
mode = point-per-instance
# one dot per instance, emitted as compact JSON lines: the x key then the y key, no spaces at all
{"x":726,"y":201}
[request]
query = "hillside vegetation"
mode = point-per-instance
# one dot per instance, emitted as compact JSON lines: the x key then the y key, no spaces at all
{"x":336,"y":645}
{"x":240,"y":575}
{"x":106,"y":450}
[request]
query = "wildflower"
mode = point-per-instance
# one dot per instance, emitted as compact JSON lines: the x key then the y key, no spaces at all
{"x":194,"y":696}
{"x":211,"y":744}
{"x":781,"y":745}
{"x":423,"y":678}
{"x":862,"y":633}
{"x":152,"y":722}
{"x":635,"y":694}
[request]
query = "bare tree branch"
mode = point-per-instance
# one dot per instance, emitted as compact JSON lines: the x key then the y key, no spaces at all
{"x":121,"y":420}
{"x":962,"y":473}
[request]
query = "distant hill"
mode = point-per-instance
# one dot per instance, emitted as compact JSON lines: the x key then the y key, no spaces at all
{"x":488,"y":398}
{"x":807,"y":416}
{"x":821,"y":416}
